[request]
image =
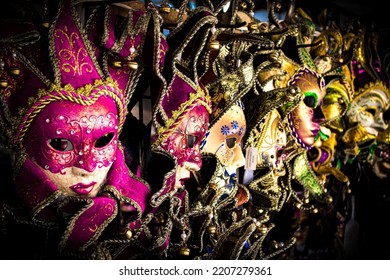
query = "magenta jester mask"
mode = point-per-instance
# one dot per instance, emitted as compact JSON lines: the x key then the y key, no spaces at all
{"x":62,"y":114}
{"x":181,"y":116}
{"x":187,"y":120}
{"x":180,"y":120}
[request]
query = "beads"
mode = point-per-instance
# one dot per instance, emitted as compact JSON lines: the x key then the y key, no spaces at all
{"x":184,"y":251}
{"x":132,"y":65}
{"x":129,"y":234}
{"x":3,"y":83}
{"x":211,"y":229}
{"x":214,"y":45}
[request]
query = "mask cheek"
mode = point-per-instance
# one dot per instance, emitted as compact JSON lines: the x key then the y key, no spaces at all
{"x":267,"y":157}
{"x":365,"y":119}
{"x":225,"y":155}
{"x":192,"y":156}
{"x":239,"y":159}
{"x":174,"y":146}
{"x":231,"y":158}
{"x":333,"y":109}
{"x":49,"y":159}
{"x":380,"y":122}
{"x":183,"y":155}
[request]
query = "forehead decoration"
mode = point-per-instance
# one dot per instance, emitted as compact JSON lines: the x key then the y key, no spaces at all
{"x":308,"y":80}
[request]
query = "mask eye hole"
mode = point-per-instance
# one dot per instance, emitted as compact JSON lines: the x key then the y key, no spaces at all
{"x":386,"y":115}
{"x":61,"y":144}
{"x":372,"y":111}
{"x":104,"y":140}
{"x":310,"y":101}
{"x":231,"y":142}
{"x":191,"y":140}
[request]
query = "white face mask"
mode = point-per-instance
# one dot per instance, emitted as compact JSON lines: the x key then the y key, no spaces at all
{"x":224,"y":139}
{"x":367,"y":110}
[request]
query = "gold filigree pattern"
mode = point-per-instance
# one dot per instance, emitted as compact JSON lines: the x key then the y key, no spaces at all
{"x":76,"y":64}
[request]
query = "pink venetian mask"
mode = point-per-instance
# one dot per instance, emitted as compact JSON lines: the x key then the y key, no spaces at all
{"x":75,"y":144}
{"x":184,"y":142}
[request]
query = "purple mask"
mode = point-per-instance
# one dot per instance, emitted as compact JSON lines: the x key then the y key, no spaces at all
{"x":306,"y":118}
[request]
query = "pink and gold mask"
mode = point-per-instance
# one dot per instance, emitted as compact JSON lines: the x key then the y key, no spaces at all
{"x":224,"y":139}
{"x":183,"y":143}
{"x":75,"y":145}
{"x":306,"y":118}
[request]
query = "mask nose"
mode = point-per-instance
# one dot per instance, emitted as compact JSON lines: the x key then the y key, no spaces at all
{"x":87,"y":163}
{"x":380,"y":123}
{"x":79,"y":171}
{"x":318,"y":116}
{"x":194,"y":155}
{"x":237,"y":161}
{"x":239,"y":158}
{"x":85,"y":158}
